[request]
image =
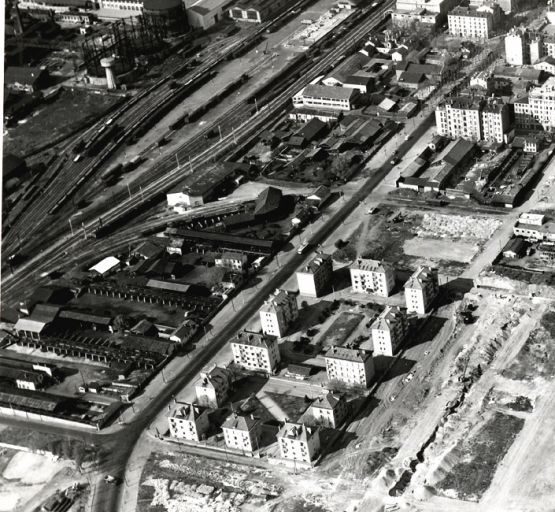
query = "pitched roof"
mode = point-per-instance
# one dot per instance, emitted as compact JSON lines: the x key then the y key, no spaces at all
{"x":348,"y":354}
{"x":22,"y":74}
{"x":417,"y":280}
{"x":267,"y":201}
{"x":189,"y":412}
{"x":298,"y":431}
{"x":371,"y":265}
{"x":237,"y":422}
{"x":254,"y":339}
{"x":105,"y":265}
{"x":324,"y":91}
{"x":390,"y":315}
{"x":329,"y":401}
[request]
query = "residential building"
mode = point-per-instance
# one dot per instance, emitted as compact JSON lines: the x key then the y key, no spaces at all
{"x":421,"y":289}
{"x":213,"y":386}
{"x":425,"y":12}
{"x":298,"y":442}
{"x":189,"y":421}
{"x":277,"y":314}
{"x":349,"y":366}
{"x":326,"y":97}
{"x":536,"y":111}
{"x":235,"y":261}
{"x":372,"y":276}
{"x":523,"y":47}
{"x":515,"y":248}
{"x":473,"y":119}
{"x":389,"y":331}
{"x":242,"y":432}
{"x":315,"y":278}
{"x":470,"y":23}
{"x":506,"y":6}
{"x":256,"y":351}
{"x":329,"y":410}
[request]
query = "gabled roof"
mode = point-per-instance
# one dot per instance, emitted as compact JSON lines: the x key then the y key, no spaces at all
{"x":329,"y":401}
{"x":390,"y":315}
{"x":237,"y":422}
{"x":298,"y":431}
{"x":105,"y":265}
{"x":371,"y":265}
{"x":45,"y":313}
{"x":348,"y":354}
{"x":189,"y":412}
{"x":22,"y":74}
{"x":267,"y":201}
{"x":323,"y":91}
{"x":420,"y":277}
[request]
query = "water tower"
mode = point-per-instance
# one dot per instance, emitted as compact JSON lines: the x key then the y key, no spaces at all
{"x":108,"y":64}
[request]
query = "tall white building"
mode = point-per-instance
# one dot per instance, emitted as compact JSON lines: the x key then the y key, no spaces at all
{"x":473,"y":119}
{"x":314,"y":278}
{"x":189,"y":421}
{"x":372,"y":276}
{"x":242,"y":433}
{"x":255,"y":351}
{"x":298,"y":442}
{"x":537,"y":110}
{"x":278,"y":313}
{"x":349,"y":366}
{"x":329,"y":410}
{"x":421,"y":289}
{"x":470,"y":23}
{"x":213,"y":386}
{"x":389,"y":330}
{"x":523,"y":47}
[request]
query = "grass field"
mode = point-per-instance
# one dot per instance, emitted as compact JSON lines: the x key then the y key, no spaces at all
{"x":341,"y":329}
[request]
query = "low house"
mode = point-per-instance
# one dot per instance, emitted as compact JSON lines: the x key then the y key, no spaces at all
{"x":319,"y":197}
{"x":515,"y":248}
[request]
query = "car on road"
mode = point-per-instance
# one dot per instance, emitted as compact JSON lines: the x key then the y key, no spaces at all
{"x":302,"y":248}
{"x":394,"y":160}
{"x":113,"y":480}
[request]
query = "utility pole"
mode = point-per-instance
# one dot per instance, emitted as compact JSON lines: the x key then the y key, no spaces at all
{"x":220,"y":131}
{"x":256,"y":105}
{"x":128,"y":190}
{"x":177,"y":160}
{"x":190,"y":164}
{"x":70,"y":226}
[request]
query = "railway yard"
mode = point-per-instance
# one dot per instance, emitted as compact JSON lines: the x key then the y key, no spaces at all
{"x":253,"y":274}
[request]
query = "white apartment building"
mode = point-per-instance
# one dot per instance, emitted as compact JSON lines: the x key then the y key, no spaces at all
{"x":315,"y":277}
{"x":298,"y":442}
{"x":241,"y":433}
{"x":537,"y":110}
{"x":524,"y":47}
{"x":329,"y":410}
{"x":236,"y":261}
{"x":326,"y":97}
{"x":470,"y":23}
{"x":473,"y":119}
{"x":372,"y":276}
{"x":213,"y":386}
{"x":389,"y":330}
{"x":349,"y":366}
{"x":421,"y":289}
{"x":255,"y":351}
{"x":189,"y":421}
{"x":135,"y":7}
{"x":278,"y":312}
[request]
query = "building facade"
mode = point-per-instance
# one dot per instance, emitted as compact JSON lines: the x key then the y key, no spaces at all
{"x":470,"y":23}
{"x":316,"y":276}
{"x":255,"y":351}
{"x":536,"y":111}
{"x":329,"y":410}
{"x":389,"y":330}
{"x":473,"y":119}
{"x":524,"y":47}
{"x":349,"y":366}
{"x":372,"y":276}
{"x":189,"y":421}
{"x":213,"y":387}
{"x":298,"y":442}
{"x":241,"y":433}
{"x":326,"y":97}
{"x":236,"y":261}
{"x":278,"y":313}
{"x":421,"y":289}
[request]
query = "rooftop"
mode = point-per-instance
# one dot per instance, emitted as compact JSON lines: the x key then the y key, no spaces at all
{"x":279,"y":297}
{"x":417,"y":280}
{"x":316,"y":264}
{"x":328,"y":401}
{"x":253,"y":339}
{"x":371,"y":265}
{"x":297,"y":431}
{"x":324,"y":91}
{"x":348,"y":354}
{"x":390,"y":315}
{"x":237,"y":422}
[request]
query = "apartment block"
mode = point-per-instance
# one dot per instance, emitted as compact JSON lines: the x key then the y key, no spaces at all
{"x":470,"y":23}
{"x":213,"y":386}
{"x":372,"y":276}
{"x":473,"y":119}
{"x":278,"y":312}
{"x":389,"y":330}
{"x":298,"y":442}
{"x":349,"y":366}
{"x":536,"y":111}
{"x":524,"y":47}
{"x":189,"y":421}
{"x":329,"y":410}
{"x":421,"y":289}
{"x":316,"y":276}
{"x":256,"y":351}
{"x":242,"y":433}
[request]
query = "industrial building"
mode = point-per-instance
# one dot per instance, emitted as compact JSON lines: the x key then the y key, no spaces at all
{"x":326,"y":97}
{"x":349,"y":366}
{"x":257,"y":11}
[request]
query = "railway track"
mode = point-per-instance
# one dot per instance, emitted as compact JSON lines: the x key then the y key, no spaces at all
{"x":166,"y":174}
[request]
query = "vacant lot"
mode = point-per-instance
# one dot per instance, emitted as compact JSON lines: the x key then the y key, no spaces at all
{"x":185,"y":483}
{"x":70,"y":111}
{"x":341,"y":329}
{"x":470,"y":478}
{"x":462,"y":252}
